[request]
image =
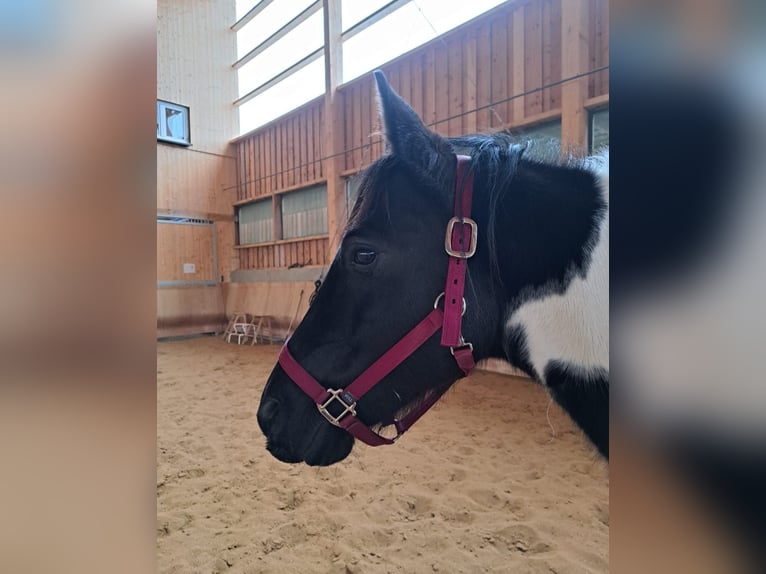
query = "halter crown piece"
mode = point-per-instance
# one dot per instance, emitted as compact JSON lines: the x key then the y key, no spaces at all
{"x":460,"y":244}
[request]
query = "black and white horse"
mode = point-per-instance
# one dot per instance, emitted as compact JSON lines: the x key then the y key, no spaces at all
{"x":536,"y":289}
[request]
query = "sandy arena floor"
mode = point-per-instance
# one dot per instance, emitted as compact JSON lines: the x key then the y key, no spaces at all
{"x":480,"y":484}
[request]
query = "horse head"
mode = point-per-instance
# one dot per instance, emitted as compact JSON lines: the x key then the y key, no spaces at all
{"x":386,"y":276}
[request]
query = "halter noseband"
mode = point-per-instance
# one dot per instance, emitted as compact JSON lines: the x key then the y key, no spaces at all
{"x":460,"y":244}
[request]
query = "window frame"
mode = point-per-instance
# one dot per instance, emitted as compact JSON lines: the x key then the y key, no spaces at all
{"x":162,"y":136}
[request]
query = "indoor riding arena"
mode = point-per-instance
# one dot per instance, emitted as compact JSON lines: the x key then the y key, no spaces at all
{"x":267,"y":115}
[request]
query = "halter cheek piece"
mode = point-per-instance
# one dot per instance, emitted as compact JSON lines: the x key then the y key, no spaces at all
{"x":460,"y":244}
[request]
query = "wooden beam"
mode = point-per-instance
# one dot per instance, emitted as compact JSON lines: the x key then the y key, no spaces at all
{"x":574,"y":61}
{"x":519,"y":65}
{"x":333,"y":128}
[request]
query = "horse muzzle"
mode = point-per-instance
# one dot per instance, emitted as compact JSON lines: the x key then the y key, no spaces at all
{"x":295,"y":431}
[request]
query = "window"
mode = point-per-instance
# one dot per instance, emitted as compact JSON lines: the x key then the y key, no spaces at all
{"x":256,"y":222}
{"x":353,"y":183}
{"x":280,"y":63}
{"x":547,"y":131}
{"x":173,"y":123}
{"x":304,"y":212}
{"x":599,"y":129}
{"x":292,"y":92}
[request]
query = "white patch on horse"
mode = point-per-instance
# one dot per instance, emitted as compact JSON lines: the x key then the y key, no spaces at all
{"x":573,"y":327}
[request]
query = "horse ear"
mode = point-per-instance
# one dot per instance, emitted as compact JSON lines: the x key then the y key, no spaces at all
{"x":409,"y":139}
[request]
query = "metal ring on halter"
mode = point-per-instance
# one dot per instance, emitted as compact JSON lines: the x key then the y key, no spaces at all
{"x":439,"y":298}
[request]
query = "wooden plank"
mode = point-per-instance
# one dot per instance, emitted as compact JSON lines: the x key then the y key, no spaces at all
{"x":599,"y":47}
{"x":517,"y":66}
{"x":318,"y":136}
{"x":285,"y":161}
{"x":416,"y":84}
{"x":348,"y":114}
{"x":279,"y":165}
{"x":312,"y":152}
{"x":483,"y":75}
{"x":593,"y":54}
{"x":277,"y":158}
{"x":287,"y":134}
{"x":260,"y":172}
{"x":254,"y":168}
{"x":429,"y":90}
{"x":533,"y":57}
{"x":604,"y":48}
{"x":358,"y":128}
{"x":441,"y":82}
{"x":304,"y":127}
{"x":470,"y":87}
{"x":243,"y":169}
{"x":268,"y":161}
{"x":240,"y":169}
{"x":312,"y":253}
{"x":248,"y":169}
{"x":347,"y":137}
{"x":547,"y":53}
{"x":262,"y":169}
{"x":555,"y":74}
{"x":295,"y":138}
{"x":455,"y":87}
{"x":501,"y":73}
{"x":405,"y":79}
{"x":574,"y":116}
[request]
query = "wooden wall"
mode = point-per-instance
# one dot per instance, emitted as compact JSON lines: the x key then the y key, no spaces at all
{"x":179,"y":244}
{"x":282,"y":155}
{"x":511,"y":49}
{"x":195,"y":50}
{"x":286,"y":253}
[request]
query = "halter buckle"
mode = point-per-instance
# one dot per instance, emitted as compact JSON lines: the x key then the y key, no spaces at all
{"x":463,"y":345}
{"x":336,"y":395}
{"x":462,"y":254}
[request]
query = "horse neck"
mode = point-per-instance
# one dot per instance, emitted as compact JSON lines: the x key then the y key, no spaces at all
{"x":550,"y":230}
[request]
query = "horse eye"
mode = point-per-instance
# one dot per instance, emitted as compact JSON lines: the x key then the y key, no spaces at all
{"x":364,"y":257}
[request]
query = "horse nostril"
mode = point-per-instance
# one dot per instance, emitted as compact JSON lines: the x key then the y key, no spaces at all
{"x":267,"y":412}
